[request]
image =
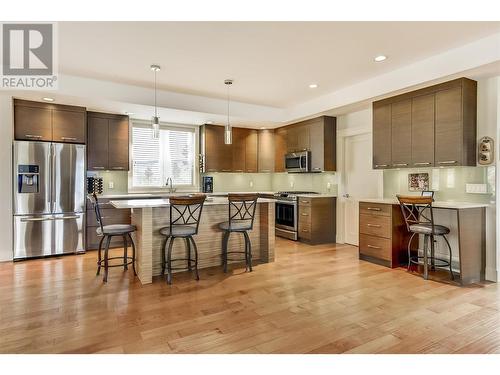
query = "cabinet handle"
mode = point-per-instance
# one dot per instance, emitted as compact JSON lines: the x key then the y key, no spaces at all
{"x":303,"y":214}
{"x":33,"y":136}
{"x":373,"y":225}
{"x":226,"y":170}
{"x":305,"y":230}
{"x":316,"y":169}
{"x":97,"y":167}
{"x":422,"y":163}
{"x":249,"y":170}
{"x":305,"y":202}
{"x":373,"y":247}
{"x":447,"y":162}
{"x":380,"y":165}
{"x":400,"y":164}
{"x":265,"y":170}
{"x":236,"y":170}
{"x":68,"y":138}
{"x":373,"y":208}
{"x":117,"y":167}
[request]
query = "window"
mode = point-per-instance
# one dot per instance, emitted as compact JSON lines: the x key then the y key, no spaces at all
{"x":154,"y":160}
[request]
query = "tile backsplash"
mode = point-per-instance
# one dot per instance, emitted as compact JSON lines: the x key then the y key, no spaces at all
{"x":449,"y":184}
{"x":118,"y":178}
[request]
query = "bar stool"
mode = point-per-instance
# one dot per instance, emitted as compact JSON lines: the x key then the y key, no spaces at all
{"x":185,"y":213}
{"x":420,"y":221}
{"x":107,"y":232}
{"x":241,"y":217}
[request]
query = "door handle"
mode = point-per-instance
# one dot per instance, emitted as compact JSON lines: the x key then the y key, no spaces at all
{"x":422,"y":163}
{"x":400,"y":164}
{"x":33,"y":136}
{"x":97,"y":167}
{"x":447,"y":162}
{"x":36,"y":219}
{"x":68,"y":138}
{"x":380,"y":165}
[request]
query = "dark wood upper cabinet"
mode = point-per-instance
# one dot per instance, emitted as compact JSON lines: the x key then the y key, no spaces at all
{"x":401,"y":133}
{"x":32,"y":124}
{"x":238,"y":150}
{"x":322,"y":138}
{"x":382,"y":129}
{"x":211,"y":137}
{"x":298,"y":137}
{"x":422,"y":131}
{"x":251,"y":147}
{"x":118,"y":150}
{"x":36,"y":121}
{"x":266,"y":151}
{"x":69,"y":126}
{"x":108,"y":142}
{"x":97,"y":147}
{"x":442,"y":128}
{"x":280,"y":141}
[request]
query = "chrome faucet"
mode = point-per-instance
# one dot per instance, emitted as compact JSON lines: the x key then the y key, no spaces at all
{"x":170,"y":185}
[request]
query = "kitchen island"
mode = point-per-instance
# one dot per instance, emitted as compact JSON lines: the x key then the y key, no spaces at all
{"x":150,"y":215}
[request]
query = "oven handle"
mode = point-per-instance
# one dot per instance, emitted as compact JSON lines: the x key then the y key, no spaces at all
{"x":289,"y":203}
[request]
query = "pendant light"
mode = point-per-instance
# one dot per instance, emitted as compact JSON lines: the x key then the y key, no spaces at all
{"x":228,"y":131}
{"x":155,"y":123}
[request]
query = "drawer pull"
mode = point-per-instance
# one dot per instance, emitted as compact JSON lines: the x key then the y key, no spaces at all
{"x":305,"y":201}
{"x":447,"y":162}
{"x":373,"y":225}
{"x":33,"y":136}
{"x":373,"y":208}
{"x":380,"y":165}
{"x":422,"y":163}
{"x":68,"y":138}
{"x":238,"y":170}
{"x":305,"y":230}
{"x":97,"y":167}
{"x":226,"y":170}
{"x":400,"y":164}
{"x":373,"y":247}
{"x":304,"y":214}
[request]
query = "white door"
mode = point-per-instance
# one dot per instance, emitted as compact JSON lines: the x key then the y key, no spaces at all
{"x":360,"y":181}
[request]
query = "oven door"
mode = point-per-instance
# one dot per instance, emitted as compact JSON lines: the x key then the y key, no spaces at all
{"x":286,"y":215}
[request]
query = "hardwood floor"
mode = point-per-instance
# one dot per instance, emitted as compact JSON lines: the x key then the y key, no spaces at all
{"x":313,"y":299}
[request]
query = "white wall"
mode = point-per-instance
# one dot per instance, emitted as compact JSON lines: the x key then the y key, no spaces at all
{"x":6,"y":136}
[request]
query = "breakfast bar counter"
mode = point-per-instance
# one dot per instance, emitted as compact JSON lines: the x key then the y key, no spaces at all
{"x":150,"y":215}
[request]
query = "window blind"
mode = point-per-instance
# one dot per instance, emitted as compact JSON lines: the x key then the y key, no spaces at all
{"x":154,"y":160}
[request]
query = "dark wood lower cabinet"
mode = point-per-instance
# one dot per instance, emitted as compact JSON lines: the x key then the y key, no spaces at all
{"x":317,"y":220}
{"x":383,"y":238}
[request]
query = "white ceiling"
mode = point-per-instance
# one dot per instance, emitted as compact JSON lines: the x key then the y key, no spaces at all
{"x":272,"y":63}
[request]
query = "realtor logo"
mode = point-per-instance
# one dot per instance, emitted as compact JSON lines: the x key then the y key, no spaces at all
{"x":28,"y":56}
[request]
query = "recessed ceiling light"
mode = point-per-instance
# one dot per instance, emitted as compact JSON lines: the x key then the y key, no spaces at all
{"x":380,"y":58}
{"x":47,"y":99}
{"x":313,"y":85}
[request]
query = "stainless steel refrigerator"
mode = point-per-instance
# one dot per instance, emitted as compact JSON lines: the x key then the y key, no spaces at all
{"x":48,"y":198}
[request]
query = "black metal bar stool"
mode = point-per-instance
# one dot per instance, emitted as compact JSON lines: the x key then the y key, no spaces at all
{"x":419,"y":218}
{"x":241,"y":217}
{"x":107,"y":232}
{"x":185,"y":213}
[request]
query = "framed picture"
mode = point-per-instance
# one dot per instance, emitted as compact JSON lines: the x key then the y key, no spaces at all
{"x":418,"y":181}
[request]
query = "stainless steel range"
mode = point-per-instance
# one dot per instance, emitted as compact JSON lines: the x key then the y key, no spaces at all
{"x":287,"y":213}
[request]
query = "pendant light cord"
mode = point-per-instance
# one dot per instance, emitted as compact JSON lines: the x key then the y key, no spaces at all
{"x":156,"y":113}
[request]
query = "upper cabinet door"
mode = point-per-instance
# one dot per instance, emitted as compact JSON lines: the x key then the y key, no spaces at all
{"x":401,"y":134}
{"x":382,"y":136}
{"x":251,"y":146}
{"x":422,"y":131}
{"x":280,"y":149}
{"x":238,"y":150}
{"x":32,"y":123}
{"x":448,"y":129}
{"x":118,"y":144}
{"x":317,"y":139}
{"x":212,"y":138}
{"x":303,"y":135}
{"x":292,"y":139}
{"x":266,"y":151}
{"x":68,"y":126}
{"x":97,"y":148}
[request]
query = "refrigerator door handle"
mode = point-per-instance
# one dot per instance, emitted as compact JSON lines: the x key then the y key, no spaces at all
{"x":52,"y":178}
{"x":67,"y":217}
{"x":25,"y":219}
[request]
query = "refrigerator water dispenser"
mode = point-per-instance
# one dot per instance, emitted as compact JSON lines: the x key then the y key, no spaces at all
{"x":28,"y":179}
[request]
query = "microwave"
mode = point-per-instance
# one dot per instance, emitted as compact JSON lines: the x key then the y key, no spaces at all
{"x":298,"y":161}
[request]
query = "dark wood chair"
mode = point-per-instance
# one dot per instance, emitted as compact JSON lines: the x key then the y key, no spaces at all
{"x":107,"y":232}
{"x":241,"y":218}
{"x":419,"y":218}
{"x":185,"y":214}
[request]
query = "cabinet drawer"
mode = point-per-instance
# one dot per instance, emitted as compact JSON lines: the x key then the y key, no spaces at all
{"x":304,"y":231}
{"x":110,"y":216}
{"x":375,"y":208}
{"x":305,"y":201}
{"x":375,"y":225}
{"x":376,"y":247}
{"x":304,"y":213}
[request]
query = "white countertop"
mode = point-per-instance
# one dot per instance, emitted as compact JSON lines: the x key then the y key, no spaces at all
{"x":155,"y":202}
{"x":166,"y":195}
{"x":437,"y":204}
